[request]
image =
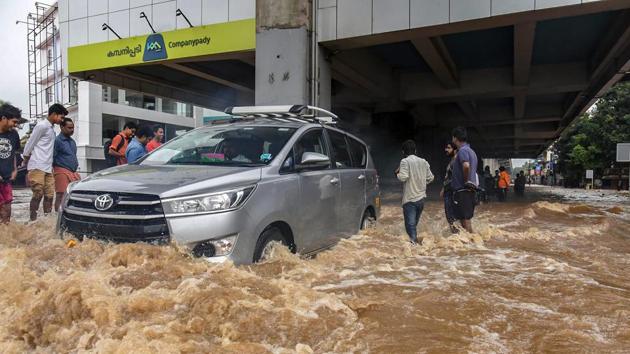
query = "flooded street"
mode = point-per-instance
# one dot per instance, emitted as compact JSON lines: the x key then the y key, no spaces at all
{"x":545,"y":274}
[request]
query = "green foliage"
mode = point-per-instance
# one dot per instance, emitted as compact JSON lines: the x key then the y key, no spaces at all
{"x":591,"y":141}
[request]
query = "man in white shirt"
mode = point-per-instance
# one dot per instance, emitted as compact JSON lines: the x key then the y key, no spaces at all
{"x":38,"y":157}
{"x":415,"y":173}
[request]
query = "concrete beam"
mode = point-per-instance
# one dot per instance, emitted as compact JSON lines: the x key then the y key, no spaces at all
{"x":477,"y":24}
{"x":534,"y":143}
{"x":209,"y":77}
{"x":248,"y":57}
{"x":524,"y":34}
{"x":436,"y":55}
{"x":133,"y":80}
{"x":469,"y":109}
{"x":495,"y":82}
{"x":522,"y":121}
{"x":526,"y":136}
{"x":367,"y":73}
{"x":345,"y":74}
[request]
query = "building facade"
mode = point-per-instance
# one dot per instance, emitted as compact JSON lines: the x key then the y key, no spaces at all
{"x":99,"y":111}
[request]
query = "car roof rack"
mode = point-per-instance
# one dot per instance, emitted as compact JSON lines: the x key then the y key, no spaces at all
{"x":287,"y":114}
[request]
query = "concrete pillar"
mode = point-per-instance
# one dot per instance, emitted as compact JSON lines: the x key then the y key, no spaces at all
{"x":324,"y":81}
{"x":198,"y":116}
{"x":284,"y":55}
{"x":89,"y":124}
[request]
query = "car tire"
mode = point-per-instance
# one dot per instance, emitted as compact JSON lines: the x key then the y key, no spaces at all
{"x":266,"y":239}
{"x":367,"y":220}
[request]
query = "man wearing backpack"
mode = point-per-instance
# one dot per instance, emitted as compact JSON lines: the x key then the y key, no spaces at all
{"x":118,"y":148}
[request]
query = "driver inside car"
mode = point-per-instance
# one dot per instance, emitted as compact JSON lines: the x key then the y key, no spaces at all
{"x":231,"y":152}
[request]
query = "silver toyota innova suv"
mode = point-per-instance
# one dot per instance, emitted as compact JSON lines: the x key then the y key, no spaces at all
{"x":268,"y":174}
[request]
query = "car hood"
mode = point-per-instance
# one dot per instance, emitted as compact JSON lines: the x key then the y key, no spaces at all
{"x":169,"y":181}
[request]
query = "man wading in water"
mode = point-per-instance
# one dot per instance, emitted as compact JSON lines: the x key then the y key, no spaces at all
{"x":415,"y":173}
{"x":465,"y":180}
{"x":447,"y":189}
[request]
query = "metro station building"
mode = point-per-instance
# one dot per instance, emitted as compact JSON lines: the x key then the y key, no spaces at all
{"x":515,"y":72}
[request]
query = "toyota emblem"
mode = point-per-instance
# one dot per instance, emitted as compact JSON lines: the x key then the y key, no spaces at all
{"x":103,"y":202}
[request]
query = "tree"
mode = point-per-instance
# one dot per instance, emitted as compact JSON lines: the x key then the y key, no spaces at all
{"x":591,"y":141}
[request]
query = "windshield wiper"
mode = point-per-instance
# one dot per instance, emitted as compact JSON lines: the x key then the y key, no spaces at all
{"x":217,"y":163}
{"x":246,"y":164}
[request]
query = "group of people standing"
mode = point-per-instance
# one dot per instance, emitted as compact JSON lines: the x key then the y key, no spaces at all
{"x":499,"y":184}
{"x":459,"y":188}
{"x":132,"y":143}
{"x":51,"y":159}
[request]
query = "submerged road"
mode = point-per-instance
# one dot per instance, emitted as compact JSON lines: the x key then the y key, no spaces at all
{"x":545,"y":274}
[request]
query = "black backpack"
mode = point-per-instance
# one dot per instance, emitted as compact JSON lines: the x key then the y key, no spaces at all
{"x":110,"y":160}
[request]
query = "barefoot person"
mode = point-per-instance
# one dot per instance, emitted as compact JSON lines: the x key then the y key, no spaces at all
{"x":38,"y":157}
{"x":465,"y":179}
{"x":415,"y":173}
{"x":65,"y":162}
{"x":447,"y":190}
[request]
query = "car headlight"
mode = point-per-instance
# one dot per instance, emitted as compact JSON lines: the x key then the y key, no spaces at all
{"x":66,"y":195}
{"x":207,"y":203}
{"x":71,"y":186}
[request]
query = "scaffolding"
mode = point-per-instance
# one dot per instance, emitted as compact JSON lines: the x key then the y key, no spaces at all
{"x":45,"y":70}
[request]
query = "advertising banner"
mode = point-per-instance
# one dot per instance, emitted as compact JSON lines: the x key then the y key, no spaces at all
{"x":192,"y":42}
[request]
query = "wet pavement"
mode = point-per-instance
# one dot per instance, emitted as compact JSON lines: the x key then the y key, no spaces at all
{"x":548,"y":273}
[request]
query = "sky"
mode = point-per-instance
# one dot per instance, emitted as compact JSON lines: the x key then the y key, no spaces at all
{"x":13,"y":59}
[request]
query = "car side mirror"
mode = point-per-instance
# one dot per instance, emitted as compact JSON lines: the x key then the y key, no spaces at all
{"x":313,"y":161}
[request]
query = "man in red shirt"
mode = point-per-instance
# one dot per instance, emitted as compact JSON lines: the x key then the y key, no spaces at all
{"x":120,"y":142}
{"x":156,"y":142}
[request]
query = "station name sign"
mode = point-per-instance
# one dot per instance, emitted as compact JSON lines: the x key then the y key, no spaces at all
{"x":192,"y":42}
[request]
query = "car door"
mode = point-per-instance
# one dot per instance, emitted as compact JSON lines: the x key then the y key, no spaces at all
{"x":351,"y":204}
{"x":319,"y":192}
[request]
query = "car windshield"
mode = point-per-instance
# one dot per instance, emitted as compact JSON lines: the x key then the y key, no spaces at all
{"x":225,"y":146}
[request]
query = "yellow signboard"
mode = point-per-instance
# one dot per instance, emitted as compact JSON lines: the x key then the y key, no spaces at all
{"x":185,"y":43}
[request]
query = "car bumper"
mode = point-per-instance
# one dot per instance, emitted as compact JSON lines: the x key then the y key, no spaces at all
{"x":188,"y":231}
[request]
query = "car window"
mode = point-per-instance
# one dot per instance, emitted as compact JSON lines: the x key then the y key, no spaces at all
{"x":358,"y":152}
{"x":223,"y":145}
{"x":311,"y":141}
{"x":340,"y":151}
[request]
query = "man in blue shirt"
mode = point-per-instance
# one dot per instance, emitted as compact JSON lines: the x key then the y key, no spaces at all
{"x":65,"y":162}
{"x":465,"y":180}
{"x":137,"y":146}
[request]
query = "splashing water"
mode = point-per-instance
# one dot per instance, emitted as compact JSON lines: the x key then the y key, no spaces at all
{"x":547,"y":275}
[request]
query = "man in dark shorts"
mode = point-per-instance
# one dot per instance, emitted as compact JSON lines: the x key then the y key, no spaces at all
{"x":465,"y":181}
{"x":10,"y":117}
{"x":447,"y":191}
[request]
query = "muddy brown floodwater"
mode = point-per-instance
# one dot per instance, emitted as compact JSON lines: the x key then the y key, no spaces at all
{"x":547,"y":274}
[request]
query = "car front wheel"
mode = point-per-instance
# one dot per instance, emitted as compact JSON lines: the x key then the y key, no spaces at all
{"x":368,"y":221}
{"x":266,"y":241}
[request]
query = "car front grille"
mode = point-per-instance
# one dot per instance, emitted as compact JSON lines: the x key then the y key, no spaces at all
{"x":131,"y":217}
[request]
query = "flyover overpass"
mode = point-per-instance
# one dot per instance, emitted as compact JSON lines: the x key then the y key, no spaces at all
{"x":516,"y":72}
{"x":515,"y":79}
